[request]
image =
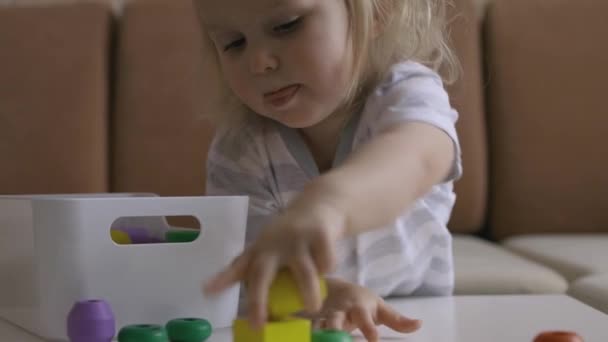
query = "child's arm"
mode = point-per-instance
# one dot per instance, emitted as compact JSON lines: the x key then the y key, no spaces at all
{"x":372,"y":188}
{"x":380,"y":180}
{"x":411,"y":146}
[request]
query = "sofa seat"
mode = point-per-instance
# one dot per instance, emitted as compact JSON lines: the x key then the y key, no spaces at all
{"x":482,"y":267}
{"x":592,"y":290}
{"x":573,"y":256}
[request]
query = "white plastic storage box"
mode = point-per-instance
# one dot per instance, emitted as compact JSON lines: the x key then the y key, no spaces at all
{"x":57,"y":249}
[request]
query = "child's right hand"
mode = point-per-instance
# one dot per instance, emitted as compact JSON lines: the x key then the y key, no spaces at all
{"x":349,"y":306}
{"x":300,"y":239}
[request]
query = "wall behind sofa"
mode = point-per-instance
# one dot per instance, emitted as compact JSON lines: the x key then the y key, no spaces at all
{"x":117,"y":4}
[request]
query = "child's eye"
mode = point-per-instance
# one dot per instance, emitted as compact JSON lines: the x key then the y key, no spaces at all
{"x":287,"y":27}
{"x":235,"y":44}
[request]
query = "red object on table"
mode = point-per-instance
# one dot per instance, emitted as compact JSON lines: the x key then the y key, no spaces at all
{"x":558,"y":336}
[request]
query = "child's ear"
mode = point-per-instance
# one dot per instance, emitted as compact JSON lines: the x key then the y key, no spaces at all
{"x":381,"y":15}
{"x":377,"y":29}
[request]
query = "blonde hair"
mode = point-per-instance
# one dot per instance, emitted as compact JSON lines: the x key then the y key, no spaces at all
{"x":384,"y":32}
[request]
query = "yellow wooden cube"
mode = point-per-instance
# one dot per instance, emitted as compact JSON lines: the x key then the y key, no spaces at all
{"x":289,"y":330}
{"x":284,"y":296}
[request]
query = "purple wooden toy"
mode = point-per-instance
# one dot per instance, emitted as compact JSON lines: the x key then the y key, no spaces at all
{"x":139,"y":235}
{"x":91,"y":321}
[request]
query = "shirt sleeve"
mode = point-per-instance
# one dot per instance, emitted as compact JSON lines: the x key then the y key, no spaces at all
{"x":235,"y":167}
{"x":413,"y":92}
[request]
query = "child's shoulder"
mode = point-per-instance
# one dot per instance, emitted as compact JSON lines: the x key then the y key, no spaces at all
{"x":408,"y":83}
{"x":401,"y":73}
{"x":410,"y":91}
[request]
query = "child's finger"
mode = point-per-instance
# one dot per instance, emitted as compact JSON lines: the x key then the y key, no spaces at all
{"x":323,"y":254}
{"x":230,"y":275}
{"x":335,"y":321}
{"x":307,"y":278}
{"x":349,"y":326}
{"x":361,"y":317}
{"x":394,"y":320}
{"x":318,"y":323}
{"x":260,"y":276}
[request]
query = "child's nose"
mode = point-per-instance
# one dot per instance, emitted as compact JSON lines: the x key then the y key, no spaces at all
{"x":262,"y":60}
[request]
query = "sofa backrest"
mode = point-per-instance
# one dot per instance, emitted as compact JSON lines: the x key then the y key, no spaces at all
{"x":466,"y":94}
{"x":54,"y":99}
{"x":160,"y":138}
{"x":547,"y":72}
{"x":88,"y":104}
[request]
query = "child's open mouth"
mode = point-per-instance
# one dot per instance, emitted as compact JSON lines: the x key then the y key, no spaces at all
{"x":282,"y":96}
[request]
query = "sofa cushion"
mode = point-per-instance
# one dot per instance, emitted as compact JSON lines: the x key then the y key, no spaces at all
{"x":482,"y":267}
{"x":547,"y":116}
{"x":466,"y":96}
{"x":160,"y":138}
{"x":573,"y":256}
{"x":592,"y":290}
{"x":53,"y":98}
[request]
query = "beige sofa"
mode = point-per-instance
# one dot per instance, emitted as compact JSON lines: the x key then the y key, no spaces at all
{"x":91,"y":101}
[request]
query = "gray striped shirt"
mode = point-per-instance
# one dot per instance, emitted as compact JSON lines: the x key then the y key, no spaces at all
{"x":271,"y":164}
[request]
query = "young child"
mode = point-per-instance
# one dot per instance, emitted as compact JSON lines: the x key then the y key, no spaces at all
{"x":343,"y":138}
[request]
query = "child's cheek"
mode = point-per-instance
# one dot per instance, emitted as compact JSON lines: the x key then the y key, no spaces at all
{"x":238,"y":85}
{"x":245,"y":92}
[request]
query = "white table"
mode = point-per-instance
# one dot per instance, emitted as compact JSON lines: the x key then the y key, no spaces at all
{"x":465,"y":319}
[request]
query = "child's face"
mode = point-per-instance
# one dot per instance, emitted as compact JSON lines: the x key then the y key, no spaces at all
{"x":289,"y":60}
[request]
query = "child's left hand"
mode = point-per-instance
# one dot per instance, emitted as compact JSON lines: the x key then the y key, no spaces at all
{"x":349,"y":307}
